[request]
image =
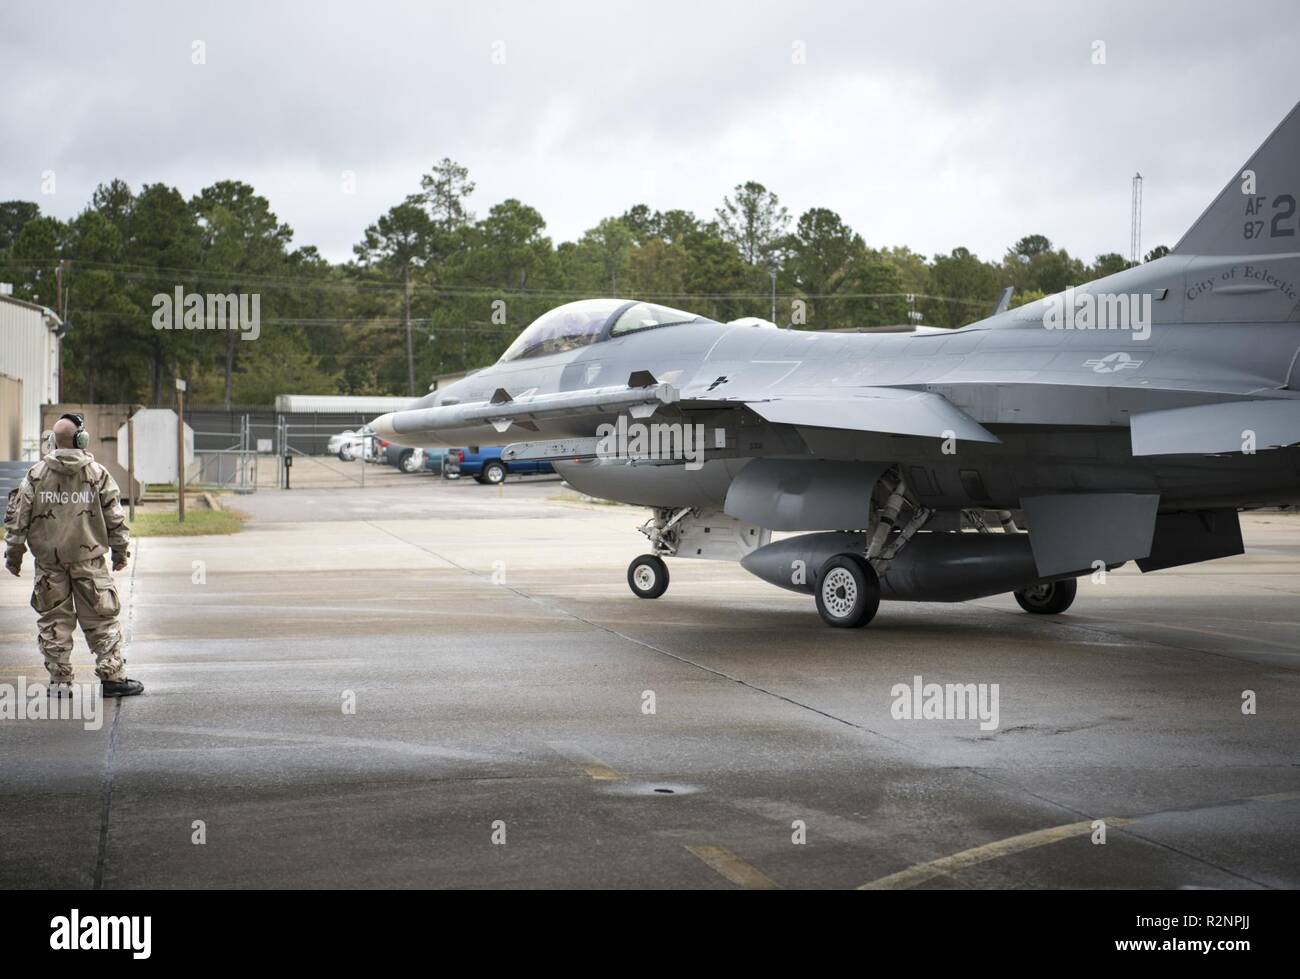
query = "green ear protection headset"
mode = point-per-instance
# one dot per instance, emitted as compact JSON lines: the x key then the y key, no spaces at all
{"x":82,"y":439}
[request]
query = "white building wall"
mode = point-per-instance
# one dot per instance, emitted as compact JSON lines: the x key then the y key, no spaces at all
{"x":29,"y":350}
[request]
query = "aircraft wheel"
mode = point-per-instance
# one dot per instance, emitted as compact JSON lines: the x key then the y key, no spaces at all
{"x":848,"y":592}
{"x":647,"y":576}
{"x":1049,"y":599}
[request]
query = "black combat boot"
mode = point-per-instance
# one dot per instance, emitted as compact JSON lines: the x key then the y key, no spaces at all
{"x":122,"y":688}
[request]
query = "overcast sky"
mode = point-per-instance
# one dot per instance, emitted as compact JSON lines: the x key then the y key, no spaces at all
{"x":929,"y":125}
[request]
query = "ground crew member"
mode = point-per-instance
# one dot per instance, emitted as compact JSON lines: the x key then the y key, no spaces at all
{"x":67,"y":511}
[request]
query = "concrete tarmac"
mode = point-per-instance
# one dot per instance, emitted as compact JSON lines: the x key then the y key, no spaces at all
{"x":521,"y":720}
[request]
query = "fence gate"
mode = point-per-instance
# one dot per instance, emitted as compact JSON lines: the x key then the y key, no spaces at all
{"x":302,"y":443}
{"x":231,"y":467}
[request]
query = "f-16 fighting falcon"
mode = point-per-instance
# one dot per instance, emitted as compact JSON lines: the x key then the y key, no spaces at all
{"x":1128,"y":419}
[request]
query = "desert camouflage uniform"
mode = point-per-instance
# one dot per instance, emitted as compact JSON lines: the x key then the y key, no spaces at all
{"x":67,"y":511}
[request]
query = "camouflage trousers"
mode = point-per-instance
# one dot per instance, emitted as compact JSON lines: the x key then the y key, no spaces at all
{"x":81,"y":592}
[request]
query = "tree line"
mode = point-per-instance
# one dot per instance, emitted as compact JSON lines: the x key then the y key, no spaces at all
{"x":465,"y":284}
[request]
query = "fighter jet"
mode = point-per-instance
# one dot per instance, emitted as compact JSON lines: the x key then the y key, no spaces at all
{"x":1128,"y":419}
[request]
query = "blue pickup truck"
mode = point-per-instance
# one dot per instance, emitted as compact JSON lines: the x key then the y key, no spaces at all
{"x":487,"y":466}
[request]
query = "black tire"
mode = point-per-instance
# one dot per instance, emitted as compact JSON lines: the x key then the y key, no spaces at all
{"x":494,"y":473}
{"x":647,"y":576}
{"x":1052,"y":598}
{"x":345,"y":454}
{"x":406,"y":461}
{"x":848,"y":592}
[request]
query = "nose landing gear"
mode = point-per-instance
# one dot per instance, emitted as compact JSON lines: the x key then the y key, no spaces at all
{"x":647,"y":576}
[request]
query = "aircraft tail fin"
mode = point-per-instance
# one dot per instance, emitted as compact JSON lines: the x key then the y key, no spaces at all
{"x":1256,"y":214}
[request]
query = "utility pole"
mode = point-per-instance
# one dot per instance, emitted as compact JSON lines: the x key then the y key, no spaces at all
{"x":772,"y":273}
{"x":410,"y":347}
{"x":61,"y":300}
{"x":180,"y":450}
{"x":130,"y":463}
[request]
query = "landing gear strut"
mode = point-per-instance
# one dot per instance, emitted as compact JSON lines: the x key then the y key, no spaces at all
{"x":647,"y":576}
{"x":1048,"y":599}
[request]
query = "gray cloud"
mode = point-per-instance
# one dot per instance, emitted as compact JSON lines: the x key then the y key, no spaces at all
{"x":931,"y":125}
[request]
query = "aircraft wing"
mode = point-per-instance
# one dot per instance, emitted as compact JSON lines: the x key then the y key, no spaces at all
{"x":1230,"y":426}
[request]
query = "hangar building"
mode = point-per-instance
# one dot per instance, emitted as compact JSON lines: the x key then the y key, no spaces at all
{"x":30,"y":336}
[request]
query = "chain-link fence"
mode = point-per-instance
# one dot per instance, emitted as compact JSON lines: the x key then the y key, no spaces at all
{"x":228,"y":461}
{"x":232,"y":445}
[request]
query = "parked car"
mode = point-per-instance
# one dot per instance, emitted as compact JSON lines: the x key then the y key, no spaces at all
{"x":487,"y":466}
{"x":349,"y":445}
{"x":404,"y":457}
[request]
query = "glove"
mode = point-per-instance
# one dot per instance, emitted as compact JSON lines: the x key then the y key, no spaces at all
{"x":119,"y":560}
{"x":14,"y":561}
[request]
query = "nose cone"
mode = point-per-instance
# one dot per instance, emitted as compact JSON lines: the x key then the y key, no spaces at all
{"x":383,"y":427}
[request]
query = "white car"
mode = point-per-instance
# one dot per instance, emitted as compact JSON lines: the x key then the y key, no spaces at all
{"x":349,"y":445}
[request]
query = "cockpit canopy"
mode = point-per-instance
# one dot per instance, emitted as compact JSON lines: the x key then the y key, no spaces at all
{"x":577,"y":324}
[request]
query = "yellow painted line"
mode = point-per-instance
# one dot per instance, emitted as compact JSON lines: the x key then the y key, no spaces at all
{"x":1213,"y":633}
{"x":589,"y":763}
{"x":602,"y":773}
{"x":733,"y":868}
{"x":1274,"y":797}
{"x":958,"y":862}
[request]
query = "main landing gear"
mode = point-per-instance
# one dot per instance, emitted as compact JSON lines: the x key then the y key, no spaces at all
{"x":1048,"y":599}
{"x":847,"y":586}
{"x":848,"y":591}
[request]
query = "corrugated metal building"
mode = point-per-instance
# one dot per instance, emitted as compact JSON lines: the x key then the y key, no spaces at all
{"x":365,"y":404}
{"x":29,"y":353}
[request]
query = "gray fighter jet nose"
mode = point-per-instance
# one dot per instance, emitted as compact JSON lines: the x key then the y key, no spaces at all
{"x":383,"y":427}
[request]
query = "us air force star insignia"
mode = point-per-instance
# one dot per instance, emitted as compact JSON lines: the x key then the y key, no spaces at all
{"x":1113,"y":363}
